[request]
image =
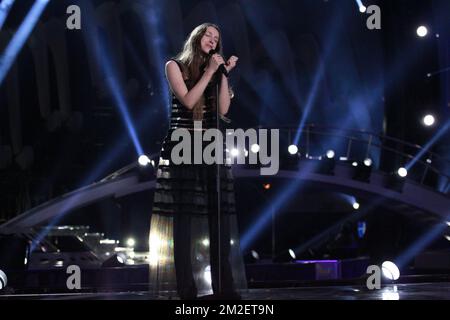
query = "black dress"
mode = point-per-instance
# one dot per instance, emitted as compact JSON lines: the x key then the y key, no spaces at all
{"x":183,"y":256}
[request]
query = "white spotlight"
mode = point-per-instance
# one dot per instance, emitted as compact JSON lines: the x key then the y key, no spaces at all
{"x":120,"y":258}
{"x":246,"y":152}
{"x":356,"y":206}
{"x":330,"y":154}
{"x":422,"y":31}
{"x":390,"y":270}
{"x":255,"y":254}
{"x":293,"y":149}
{"x":368,"y":162}
{"x":143,"y":160}
{"x":131,"y":242}
{"x":447,"y":237}
{"x":292,"y":254}
{"x":3,"y":280}
{"x":428,"y":120}
{"x":355,"y":164}
{"x":254,"y":148}
{"x":361,"y":6}
{"x":205,"y":242}
{"x":402,"y":172}
{"x":234,"y":152}
{"x":448,"y":223}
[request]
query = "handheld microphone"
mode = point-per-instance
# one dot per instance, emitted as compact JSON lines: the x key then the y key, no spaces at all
{"x":222,"y":66}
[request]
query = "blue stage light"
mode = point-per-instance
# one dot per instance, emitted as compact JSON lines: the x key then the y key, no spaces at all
{"x":429,"y":144}
{"x":20,"y":37}
{"x":5,"y":6}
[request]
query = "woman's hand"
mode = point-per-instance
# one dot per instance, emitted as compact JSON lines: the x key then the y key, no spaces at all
{"x":231,"y":63}
{"x":214,"y":62}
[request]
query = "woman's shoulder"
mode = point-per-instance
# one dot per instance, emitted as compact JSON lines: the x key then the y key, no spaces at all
{"x":171,"y":64}
{"x":174,"y":61}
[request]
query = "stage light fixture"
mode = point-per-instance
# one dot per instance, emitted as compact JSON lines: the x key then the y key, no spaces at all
{"x":117,"y":260}
{"x":293,"y":149}
{"x":422,"y":31}
{"x":362,"y":172}
{"x":356,"y":206}
{"x":390,"y":270}
{"x":402,"y":172}
{"x":144,"y":160}
{"x":361,"y":6}
{"x":131,"y":242}
{"x":234,"y":152}
{"x":251,"y":257}
{"x":286,"y":256}
{"x":292,"y":254}
{"x":254,"y":148}
{"x":330,"y":154}
{"x":429,"y":120}
{"x":3,"y":280}
{"x":146,"y":168}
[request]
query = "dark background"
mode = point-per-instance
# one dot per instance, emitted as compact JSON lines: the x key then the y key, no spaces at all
{"x":372,"y":80}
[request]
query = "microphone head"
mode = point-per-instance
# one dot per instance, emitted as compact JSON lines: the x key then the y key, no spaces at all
{"x":211,"y":52}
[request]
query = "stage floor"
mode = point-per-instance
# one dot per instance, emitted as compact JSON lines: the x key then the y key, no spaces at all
{"x":412,"y":291}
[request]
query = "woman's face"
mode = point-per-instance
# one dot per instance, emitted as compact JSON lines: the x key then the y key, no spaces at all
{"x":209,"y":40}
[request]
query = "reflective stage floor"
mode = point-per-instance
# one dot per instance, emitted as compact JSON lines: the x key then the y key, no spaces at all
{"x":411,"y":291}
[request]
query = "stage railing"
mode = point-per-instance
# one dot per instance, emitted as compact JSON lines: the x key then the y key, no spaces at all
{"x":387,"y":153}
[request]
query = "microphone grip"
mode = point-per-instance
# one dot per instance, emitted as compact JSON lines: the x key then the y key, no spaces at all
{"x":222,"y":66}
{"x":223,"y":70}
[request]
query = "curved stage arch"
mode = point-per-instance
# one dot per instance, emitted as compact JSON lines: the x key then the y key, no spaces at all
{"x":415,"y":198}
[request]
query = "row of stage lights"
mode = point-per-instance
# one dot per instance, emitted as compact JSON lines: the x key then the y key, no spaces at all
{"x":330,"y":154}
{"x":144,"y":160}
{"x":428,"y":120}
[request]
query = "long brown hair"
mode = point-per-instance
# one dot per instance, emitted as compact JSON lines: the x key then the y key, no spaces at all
{"x":194,"y":59}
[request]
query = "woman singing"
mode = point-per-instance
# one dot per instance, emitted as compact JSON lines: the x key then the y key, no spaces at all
{"x":184,"y":244}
